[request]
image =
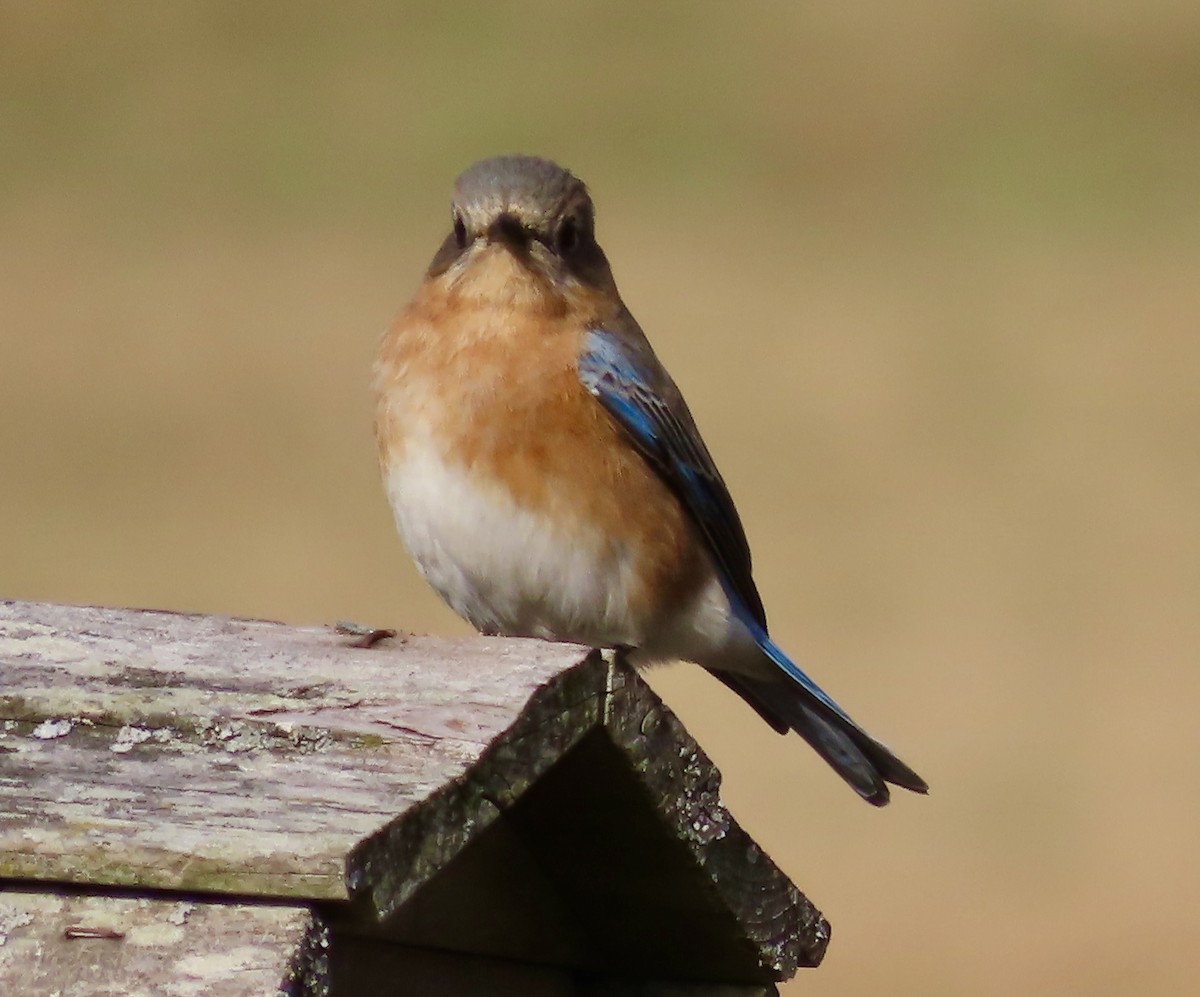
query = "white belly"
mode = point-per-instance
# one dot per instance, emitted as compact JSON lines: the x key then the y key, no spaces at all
{"x":509,"y":571}
{"x":504,"y":568}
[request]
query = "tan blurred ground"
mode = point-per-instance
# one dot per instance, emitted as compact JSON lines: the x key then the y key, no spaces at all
{"x":930,"y":279}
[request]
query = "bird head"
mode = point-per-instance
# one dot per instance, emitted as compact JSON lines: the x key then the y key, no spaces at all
{"x":523,"y":222}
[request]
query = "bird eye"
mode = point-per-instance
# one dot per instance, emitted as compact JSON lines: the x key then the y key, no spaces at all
{"x":460,"y":231}
{"x":567,"y":238}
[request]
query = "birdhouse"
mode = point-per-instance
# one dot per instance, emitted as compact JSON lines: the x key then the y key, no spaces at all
{"x":203,"y":805}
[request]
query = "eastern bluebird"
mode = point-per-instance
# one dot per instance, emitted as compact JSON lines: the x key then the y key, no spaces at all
{"x":546,"y":474}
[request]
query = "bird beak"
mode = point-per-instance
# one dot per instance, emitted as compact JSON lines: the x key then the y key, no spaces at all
{"x":508,"y":231}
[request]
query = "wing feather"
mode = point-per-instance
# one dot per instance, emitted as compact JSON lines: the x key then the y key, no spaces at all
{"x":623,"y":374}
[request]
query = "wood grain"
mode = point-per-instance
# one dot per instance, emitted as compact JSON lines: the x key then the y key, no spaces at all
{"x":151,"y":946}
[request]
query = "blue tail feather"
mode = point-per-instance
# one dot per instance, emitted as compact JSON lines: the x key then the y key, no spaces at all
{"x":796,"y":702}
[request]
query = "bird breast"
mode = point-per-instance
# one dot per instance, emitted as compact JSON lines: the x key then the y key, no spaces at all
{"x":522,"y":502}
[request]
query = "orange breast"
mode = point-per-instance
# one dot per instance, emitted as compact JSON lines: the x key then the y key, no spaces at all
{"x":485,"y":366}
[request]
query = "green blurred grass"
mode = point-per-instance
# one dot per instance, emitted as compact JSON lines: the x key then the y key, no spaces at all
{"x":927,"y":276}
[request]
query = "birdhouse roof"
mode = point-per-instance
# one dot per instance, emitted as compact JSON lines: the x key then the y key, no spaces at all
{"x":513,"y":799}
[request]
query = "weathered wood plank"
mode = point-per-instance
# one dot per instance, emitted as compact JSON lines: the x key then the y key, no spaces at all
{"x":784,"y":927}
{"x":237,"y":756}
{"x":77,"y":945}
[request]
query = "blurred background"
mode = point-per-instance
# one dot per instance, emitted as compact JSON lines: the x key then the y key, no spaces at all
{"x":929,"y":277}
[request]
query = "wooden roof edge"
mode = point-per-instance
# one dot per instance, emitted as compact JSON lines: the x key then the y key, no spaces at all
{"x":788,"y":930}
{"x":680,"y":783}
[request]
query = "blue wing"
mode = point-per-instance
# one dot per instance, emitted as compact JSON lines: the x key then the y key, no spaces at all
{"x":627,"y":379}
{"x":623,"y":374}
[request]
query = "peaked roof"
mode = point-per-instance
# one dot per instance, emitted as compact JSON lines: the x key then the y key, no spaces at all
{"x":508,"y":797}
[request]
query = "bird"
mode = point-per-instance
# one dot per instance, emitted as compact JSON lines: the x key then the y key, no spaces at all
{"x":548,"y":478}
